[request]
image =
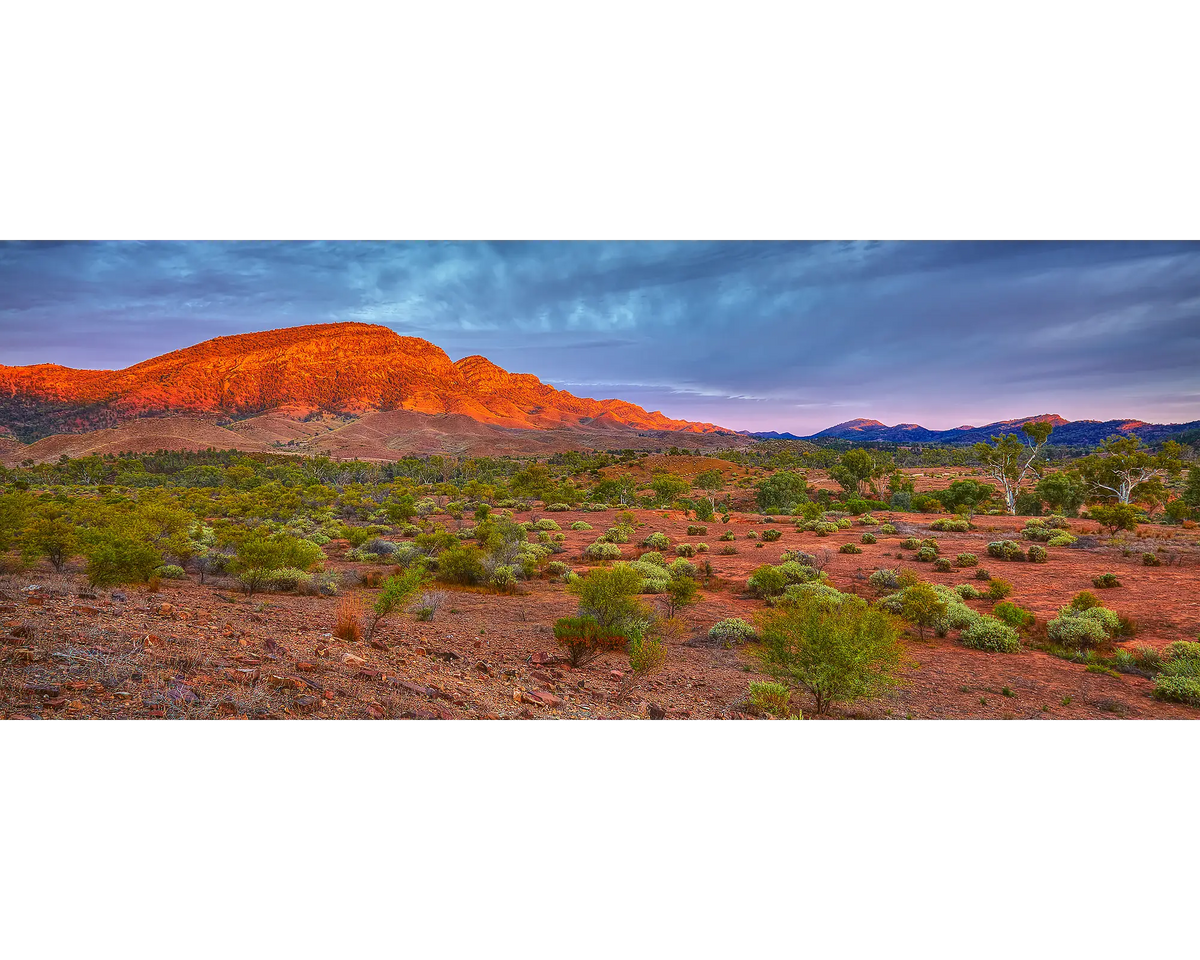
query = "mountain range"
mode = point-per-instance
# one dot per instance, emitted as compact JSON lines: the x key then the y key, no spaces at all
{"x":382,"y":394}
{"x":1066,"y":432}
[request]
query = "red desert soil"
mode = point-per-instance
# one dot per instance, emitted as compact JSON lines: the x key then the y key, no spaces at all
{"x":206,"y":651}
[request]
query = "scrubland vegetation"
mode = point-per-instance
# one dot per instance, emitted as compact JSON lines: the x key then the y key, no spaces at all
{"x":862,"y":578}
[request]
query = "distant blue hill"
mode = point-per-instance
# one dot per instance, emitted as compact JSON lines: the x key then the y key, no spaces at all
{"x":1066,"y":432}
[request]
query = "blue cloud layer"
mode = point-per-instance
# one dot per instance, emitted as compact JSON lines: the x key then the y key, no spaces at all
{"x":787,"y":336}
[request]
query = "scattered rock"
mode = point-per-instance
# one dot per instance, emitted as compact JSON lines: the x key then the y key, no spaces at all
{"x":376,"y":712}
{"x":118,"y":596}
{"x":483,"y":668}
{"x":351,"y":660}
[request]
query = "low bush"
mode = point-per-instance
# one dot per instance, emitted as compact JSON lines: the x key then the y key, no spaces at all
{"x":1013,"y":614}
{"x":966,"y":560}
{"x":849,"y":548}
{"x":657,"y":541}
{"x":581,"y":525}
{"x":170,"y":571}
{"x":982,"y":574}
{"x":1037,"y":554}
{"x":1082,"y":628}
{"x":1105,"y":580}
{"x":942,"y":564}
{"x":967,"y":591}
{"x":557,"y":507}
{"x":697,"y":531}
{"x":602,"y":550}
{"x":766,"y":581}
{"x":955,"y":525}
{"x":727,"y":536}
{"x":988,"y":633}
{"x":910,"y":543}
{"x":728,"y":550}
{"x":770,"y":536}
{"x":887,"y":528}
{"x":1084,"y":600}
{"x":884,"y":579}
{"x":867,"y":538}
{"x":1061,"y":539}
{"x":998,"y":589}
{"x":1151,"y":560}
{"x":1005,"y":550}
{"x":732,"y":631}
{"x":685,"y":550}
{"x":772,"y":698}
{"x":584,"y":639}
{"x":926,"y":554}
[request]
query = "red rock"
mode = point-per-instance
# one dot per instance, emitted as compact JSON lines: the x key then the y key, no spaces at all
{"x":328,"y":694}
{"x":376,"y":712}
{"x":352,"y":661}
{"x":367,"y":673}
{"x":42,"y":689}
{"x":616,"y":675}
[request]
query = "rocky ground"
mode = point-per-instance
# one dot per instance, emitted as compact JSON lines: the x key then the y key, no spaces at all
{"x":206,"y":651}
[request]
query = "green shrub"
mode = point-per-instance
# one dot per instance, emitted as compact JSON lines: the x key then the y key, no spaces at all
{"x":170,"y":571}
{"x":1084,"y":600}
{"x":288,"y":578}
{"x":581,"y":525}
{"x":462,"y":564}
{"x":545,"y":523}
{"x":1151,"y":560}
{"x":657,"y":541}
{"x":1037,"y":554}
{"x":868,"y":521}
{"x":956,"y":525}
{"x":1013,"y":614}
{"x":1178,"y":688}
{"x":1106,"y":580}
{"x":685,"y":550}
{"x":982,"y":574}
{"x":115,"y":558}
{"x":602,"y":550}
{"x":732,"y":631}
{"x":867,"y":538}
{"x":922,"y":606}
{"x":557,"y":507}
{"x":1060,"y":540}
{"x":942,"y":564}
{"x":849,"y":548}
{"x":998,"y":589}
{"x":887,"y":529}
{"x":966,"y":560}
{"x":727,"y":536}
{"x":770,"y":536}
{"x":967,"y":591}
{"x":556,"y":569}
{"x":910,"y":543}
{"x":504,"y":579}
{"x":1082,"y":628}
{"x":653,"y":556}
{"x":773,"y":698}
{"x":1005,"y":550}
{"x":988,"y":633}
{"x":697,"y":531}
{"x":839,"y":652}
{"x":884,"y":579}
{"x":766,"y":581}
{"x":609,"y":595}
{"x":926,"y":554}
{"x":617,"y":534}
{"x":681,"y":568}
{"x":1181,"y":650}
{"x":584,"y":639}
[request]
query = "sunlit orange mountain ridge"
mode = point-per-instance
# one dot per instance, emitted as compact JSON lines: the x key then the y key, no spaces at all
{"x":340,"y":368}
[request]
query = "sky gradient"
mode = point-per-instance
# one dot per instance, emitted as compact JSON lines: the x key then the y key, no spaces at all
{"x":761,"y":336}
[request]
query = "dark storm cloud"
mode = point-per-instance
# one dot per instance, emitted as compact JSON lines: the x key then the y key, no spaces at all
{"x":761,"y":335}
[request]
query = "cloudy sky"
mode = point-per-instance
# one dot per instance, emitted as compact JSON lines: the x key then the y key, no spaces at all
{"x":762,"y":336}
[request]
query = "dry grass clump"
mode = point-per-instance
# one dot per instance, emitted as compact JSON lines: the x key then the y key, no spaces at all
{"x":348,"y":625}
